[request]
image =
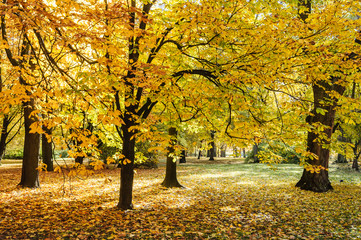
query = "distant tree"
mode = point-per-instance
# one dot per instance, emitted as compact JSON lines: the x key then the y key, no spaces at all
{"x":212,"y":150}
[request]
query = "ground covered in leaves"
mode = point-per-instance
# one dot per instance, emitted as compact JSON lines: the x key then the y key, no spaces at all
{"x":221,"y":201}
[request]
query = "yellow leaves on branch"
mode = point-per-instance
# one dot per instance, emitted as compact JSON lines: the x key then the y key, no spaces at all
{"x":126,"y":161}
{"x":314,"y":168}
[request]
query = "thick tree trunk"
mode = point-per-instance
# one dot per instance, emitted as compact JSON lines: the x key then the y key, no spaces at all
{"x":4,"y":135}
{"x":322,"y":113}
{"x":47,"y":151}
{"x":127,"y":166}
{"x":213,"y":147}
{"x":30,"y":174}
{"x":170,"y":179}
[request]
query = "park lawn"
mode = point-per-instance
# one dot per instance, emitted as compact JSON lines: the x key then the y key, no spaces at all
{"x":223,"y":200}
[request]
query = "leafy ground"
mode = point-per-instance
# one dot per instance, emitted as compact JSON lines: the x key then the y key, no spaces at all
{"x":220,"y":201}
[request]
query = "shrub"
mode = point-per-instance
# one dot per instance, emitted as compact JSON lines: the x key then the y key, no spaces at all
{"x":62,"y":153}
{"x":14,"y":154}
{"x":288,"y":153}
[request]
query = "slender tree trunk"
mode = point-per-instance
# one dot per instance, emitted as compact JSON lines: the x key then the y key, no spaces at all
{"x":4,"y":135}
{"x":170,"y":179}
{"x":341,"y":158}
{"x":212,"y":150}
{"x":199,"y":154}
{"x":235,"y":151}
{"x":30,"y":174}
{"x":322,"y":113}
{"x":223,"y":150}
{"x":356,"y":156}
{"x":255,"y":153}
{"x":47,"y":150}
{"x":183,"y":157}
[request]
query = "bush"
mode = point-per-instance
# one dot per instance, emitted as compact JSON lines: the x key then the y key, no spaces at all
{"x":14,"y":154}
{"x":144,"y":158}
{"x":287,"y":153}
{"x":290,"y":156}
{"x":107,"y":151}
{"x":62,"y":153}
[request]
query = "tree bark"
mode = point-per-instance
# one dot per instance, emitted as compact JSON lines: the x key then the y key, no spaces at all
{"x":183,"y":157}
{"x":30,"y":174}
{"x":355,"y":164}
{"x":79,"y":160}
{"x":127,"y":164}
{"x":47,"y":150}
{"x":356,"y":156}
{"x":341,"y":158}
{"x":321,"y":114}
{"x":170,"y":179}
{"x":199,"y":154}
{"x":4,"y":135}
{"x":212,"y":150}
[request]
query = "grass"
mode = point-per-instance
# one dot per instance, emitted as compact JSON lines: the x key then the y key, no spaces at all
{"x":222,"y":200}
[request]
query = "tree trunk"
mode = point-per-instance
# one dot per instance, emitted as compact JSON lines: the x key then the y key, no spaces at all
{"x":4,"y":135}
{"x":183,"y":157}
{"x":212,"y":150}
{"x":341,"y":158}
{"x":30,"y":174}
{"x":170,"y":179}
{"x":47,"y":150}
{"x":356,"y":156}
{"x":199,"y":154}
{"x":355,"y":164}
{"x":223,"y":153}
{"x":235,"y":152}
{"x":79,"y":160}
{"x":255,"y":153}
{"x":322,"y":113}
{"x":127,"y":165}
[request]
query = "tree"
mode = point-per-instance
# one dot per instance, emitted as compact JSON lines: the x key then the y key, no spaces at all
{"x":170,"y":179}
{"x":326,"y":92}
{"x":47,"y":149}
{"x":29,"y":176}
{"x":212,"y":144}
